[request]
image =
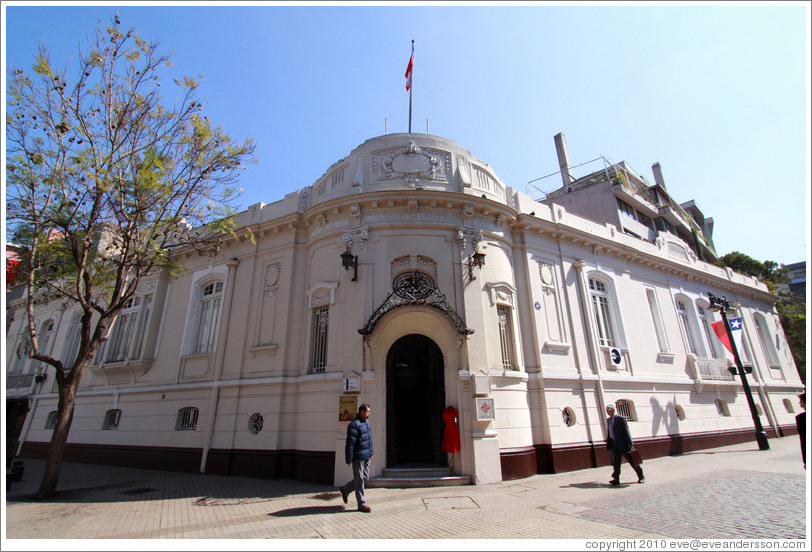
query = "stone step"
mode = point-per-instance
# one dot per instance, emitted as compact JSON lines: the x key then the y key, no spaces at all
{"x":433,"y":476}
{"x":403,"y":482}
{"x":434,"y":471}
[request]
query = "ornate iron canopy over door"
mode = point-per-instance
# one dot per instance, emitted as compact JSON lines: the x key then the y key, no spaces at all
{"x":415,"y":288}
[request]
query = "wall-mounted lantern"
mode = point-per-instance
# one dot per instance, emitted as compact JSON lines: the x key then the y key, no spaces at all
{"x":350,"y":261}
{"x":476,"y":260}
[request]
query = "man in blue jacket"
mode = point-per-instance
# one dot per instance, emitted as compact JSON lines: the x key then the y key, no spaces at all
{"x":358,"y":451}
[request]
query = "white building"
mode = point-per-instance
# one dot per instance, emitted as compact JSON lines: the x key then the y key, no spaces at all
{"x":244,"y":363}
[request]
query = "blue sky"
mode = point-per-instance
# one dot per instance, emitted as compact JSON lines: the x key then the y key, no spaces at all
{"x":718,"y":95}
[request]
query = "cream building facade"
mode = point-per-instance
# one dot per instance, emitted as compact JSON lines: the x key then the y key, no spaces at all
{"x":454,"y":289}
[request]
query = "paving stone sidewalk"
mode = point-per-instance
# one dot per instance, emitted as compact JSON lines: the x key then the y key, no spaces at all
{"x":729,"y":492}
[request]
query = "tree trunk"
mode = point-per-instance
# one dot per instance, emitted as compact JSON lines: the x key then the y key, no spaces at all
{"x":53,"y":463}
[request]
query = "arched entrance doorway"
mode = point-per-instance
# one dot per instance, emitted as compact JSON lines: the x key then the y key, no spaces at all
{"x":415,"y":398}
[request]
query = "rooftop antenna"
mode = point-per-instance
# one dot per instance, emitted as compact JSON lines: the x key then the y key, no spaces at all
{"x":427,"y":126}
{"x":385,"y":126}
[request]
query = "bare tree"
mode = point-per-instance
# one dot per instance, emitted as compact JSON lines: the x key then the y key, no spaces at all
{"x":104,"y":178}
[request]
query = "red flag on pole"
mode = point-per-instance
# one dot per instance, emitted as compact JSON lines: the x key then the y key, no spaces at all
{"x":721,"y":333}
{"x":409,"y":69}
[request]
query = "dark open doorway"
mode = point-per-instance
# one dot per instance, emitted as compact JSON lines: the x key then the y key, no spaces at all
{"x":415,"y":398}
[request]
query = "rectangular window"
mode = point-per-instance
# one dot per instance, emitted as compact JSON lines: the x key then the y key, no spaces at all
{"x":625,"y":208}
{"x":111,"y":419}
{"x":657,"y":320}
{"x":506,"y":337}
{"x":644,"y":219}
{"x":318,"y":351}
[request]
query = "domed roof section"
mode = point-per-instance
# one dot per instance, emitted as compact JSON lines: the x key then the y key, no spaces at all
{"x":405,"y":161}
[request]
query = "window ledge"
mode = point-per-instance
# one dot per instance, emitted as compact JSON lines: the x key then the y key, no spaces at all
{"x":666,"y":358}
{"x":269,"y":349}
{"x":557,"y":347}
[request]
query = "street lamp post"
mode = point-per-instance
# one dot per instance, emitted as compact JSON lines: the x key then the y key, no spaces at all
{"x":722,"y":305}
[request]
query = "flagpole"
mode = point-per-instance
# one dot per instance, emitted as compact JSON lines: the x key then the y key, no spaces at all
{"x":722,"y":304}
{"x":411,"y":80}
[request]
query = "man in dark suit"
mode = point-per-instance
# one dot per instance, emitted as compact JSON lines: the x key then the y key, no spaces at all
{"x":800,"y":423}
{"x":619,"y":441}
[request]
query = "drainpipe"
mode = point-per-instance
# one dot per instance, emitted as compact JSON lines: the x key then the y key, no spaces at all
{"x":218,"y":363}
{"x":579,"y":265}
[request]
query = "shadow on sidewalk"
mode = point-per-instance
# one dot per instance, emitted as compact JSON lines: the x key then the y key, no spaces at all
{"x":97,"y":483}
{"x":587,"y":485}
{"x":310,"y":510}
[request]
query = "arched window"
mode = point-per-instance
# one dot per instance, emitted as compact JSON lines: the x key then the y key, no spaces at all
{"x":111,"y":419}
{"x":50,"y":421}
{"x":705,"y":321}
{"x":505,"y":319}
{"x":118,"y":347}
{"x":721,"y":407}
{"x":208,"y":318}
{"x":762,"y":330}
{"x":21,"y":356}
{"x":71,"y":348}
{"x":605,"y":313}
{"x":625,"y":408}
{"x":568,"y":416}
{"x":187,"y":419}
{"x":687,"y":326}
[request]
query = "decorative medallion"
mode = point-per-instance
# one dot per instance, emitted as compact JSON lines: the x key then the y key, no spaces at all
{"x":412,"y":164}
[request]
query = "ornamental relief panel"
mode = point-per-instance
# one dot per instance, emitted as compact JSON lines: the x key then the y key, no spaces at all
{"x":271,"y":279}
{"x":411,"y":164}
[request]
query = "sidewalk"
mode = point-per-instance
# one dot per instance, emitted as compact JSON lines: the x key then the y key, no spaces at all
{"x":730,"y":492}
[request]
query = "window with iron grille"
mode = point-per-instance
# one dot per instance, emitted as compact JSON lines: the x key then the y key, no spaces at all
{"x":209,"y":317}
{"x":255,"y":423}
{"x":50,"y":421}
{"x":506,"y":337}
{"x":111,"y":419}
{"x":625,"y":409}
{"x":318,"y":349}
{"x":568,"y":415}
{"x":187,"y":419}
{"x":602,"y":312}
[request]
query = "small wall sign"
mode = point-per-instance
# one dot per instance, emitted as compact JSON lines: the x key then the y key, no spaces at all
{"x":351,"y":384}
{"x":484,"y":409}
{"x":347,"y":407}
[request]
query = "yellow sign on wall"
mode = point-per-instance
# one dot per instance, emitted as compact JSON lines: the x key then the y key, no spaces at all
{"x":347,"y":407}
